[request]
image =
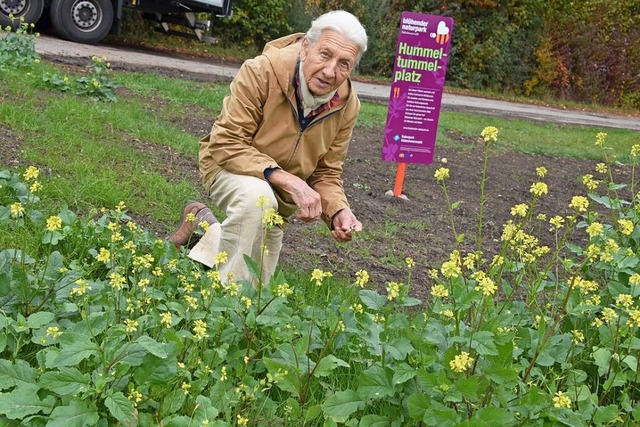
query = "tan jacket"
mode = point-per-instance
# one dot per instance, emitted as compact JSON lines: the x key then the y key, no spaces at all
{"x":258,"y":129}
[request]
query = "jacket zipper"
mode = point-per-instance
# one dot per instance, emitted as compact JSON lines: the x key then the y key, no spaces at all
{"x":295,"y":147}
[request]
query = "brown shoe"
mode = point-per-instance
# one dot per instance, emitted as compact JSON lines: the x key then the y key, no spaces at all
{"x":186,"y":233}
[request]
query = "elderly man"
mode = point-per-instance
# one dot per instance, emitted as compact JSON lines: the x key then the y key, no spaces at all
{"x":281,"y":138}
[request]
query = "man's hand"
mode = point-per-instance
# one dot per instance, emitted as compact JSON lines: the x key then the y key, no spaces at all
{"x":344,"y":224}
{"x":306,"y":198}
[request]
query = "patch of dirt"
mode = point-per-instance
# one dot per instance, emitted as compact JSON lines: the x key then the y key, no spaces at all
{"x":394,"y":228}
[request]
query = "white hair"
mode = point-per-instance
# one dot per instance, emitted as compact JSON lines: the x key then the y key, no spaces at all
{"x":342,"y":22}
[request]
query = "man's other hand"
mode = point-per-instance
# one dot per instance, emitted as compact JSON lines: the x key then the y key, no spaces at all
{"x":344,"y":224}
{"x":306,"y":198}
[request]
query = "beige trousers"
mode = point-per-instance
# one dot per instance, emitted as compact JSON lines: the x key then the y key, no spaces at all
{"x":242,"y":232}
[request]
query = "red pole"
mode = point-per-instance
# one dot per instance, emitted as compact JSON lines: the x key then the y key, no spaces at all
{"x":397,"y":188}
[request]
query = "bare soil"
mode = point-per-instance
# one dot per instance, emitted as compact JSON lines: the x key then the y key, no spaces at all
{"x":394,"y":228}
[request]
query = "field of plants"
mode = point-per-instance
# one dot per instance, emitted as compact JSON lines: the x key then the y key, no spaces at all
{"x":532,"y":321}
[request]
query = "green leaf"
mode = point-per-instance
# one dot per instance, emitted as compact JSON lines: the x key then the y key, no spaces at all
{"x":252,"y":266}
{"x":403,"y":373}
{"x":342,"y":404}
{"x":155,"y":371}
{"x":372,"y":299}
{"x":328,"y":364}
{"x":24,"y":401}
{"x":76,"y":414}
{"x":12,"y":375}
{"x":54,"y":264}
{"x":468,"y":387}
{"x":153,"y":346}
{"x":417,"y":404}
{"x":172,"y":402}
{"x":495,"y":416}
{"x":122,"y":409}
{"x":37,"y":320}
{"x":483,"y":342}
{"x":602,"y":359}
{"x":74,"y":353}
{"x":66,"y":381}
{"x":606,"y":414}
{"x":290,"y":382}
{"x":399,"y":349}
{"x":374,"y":421}
{"x":375,"y":383}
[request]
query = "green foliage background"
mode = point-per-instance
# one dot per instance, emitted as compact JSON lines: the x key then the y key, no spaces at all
{"x":587,"y":51}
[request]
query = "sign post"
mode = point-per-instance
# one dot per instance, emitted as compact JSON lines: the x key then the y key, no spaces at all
{"x":419,"y":71}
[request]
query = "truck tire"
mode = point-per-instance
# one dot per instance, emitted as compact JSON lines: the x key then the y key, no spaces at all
{"x":82,"y":21}
{"x":30,"y":10}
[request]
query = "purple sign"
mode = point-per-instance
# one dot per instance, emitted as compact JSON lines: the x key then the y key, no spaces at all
{"x":416,"y":91}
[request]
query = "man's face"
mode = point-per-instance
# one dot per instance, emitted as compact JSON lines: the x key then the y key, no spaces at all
{"x":328,"y":63}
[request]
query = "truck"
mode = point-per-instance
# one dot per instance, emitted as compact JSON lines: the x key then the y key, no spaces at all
{"x":90,"y":21}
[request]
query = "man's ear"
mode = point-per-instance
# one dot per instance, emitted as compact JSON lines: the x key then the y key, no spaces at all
{"x":303,"y":49}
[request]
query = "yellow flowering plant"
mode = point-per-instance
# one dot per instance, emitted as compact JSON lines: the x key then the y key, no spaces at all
{"x":112,"y":324}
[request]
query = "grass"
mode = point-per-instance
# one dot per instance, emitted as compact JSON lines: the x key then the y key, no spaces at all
{"x":521,"y":135}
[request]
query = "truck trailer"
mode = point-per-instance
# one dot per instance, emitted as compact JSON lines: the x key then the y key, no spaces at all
{"x":89,"y":21}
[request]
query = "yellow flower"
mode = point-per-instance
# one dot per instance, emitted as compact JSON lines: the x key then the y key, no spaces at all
{"x":579,"y":203}
{"x":601,"y":168}
{"x":357,"y":308}
{"x":271,"y":217}
{"x":487,"y":286}
{"x":103,"y":256}
{"x":130,"y":326}
{"x":81,"y":289}
{"x":450,"y":269}
{"x":284,"y":290}
{"x":539,"y":189}
{"x":318,"y":276}
{"x":362,"y":278}
{"x":31,"y":173}
{"x":223,"y":373}
{"x":541,"y":171}
{"x":200,"y":329}
{"x":461,"y":362}
{"x":120,"y":207}
{"x":53,"y":332}
{"x":17,"y":210}
{"x":609,"y":314}
{"x":595,"y":229}
{"x":410,"y":262}
{"x":166,"y":319}
{"x":439,"y":291}
{"x":634,"y":280}
{"x":54,"y":223}
{"x":447,"y":313}
{"x":560,"y":400}
{"x":624,"y":300}
{"x":489,"y":134}
{"x":242,"y":421}
{"x":117,"y":281}
{"x":221,"y":258}
{"x":185,"y":388}
{"x":635,"y":150}
{"x":35,"y":187}
{"x":589,"y":182}
{"x":520,"y":210}
{"x":204,"y":225}
{"x":441,"y":174}
{"x":393,"y":290}
{"x":577,"y":336}
{"x":135,"y":397}
{"x":246,"y":301}
{"x":626,"y":226}
{"x":634,"y":318}
{"x":600,"y":137}
{"x":556,"y":223}
{"x":263,"y":202}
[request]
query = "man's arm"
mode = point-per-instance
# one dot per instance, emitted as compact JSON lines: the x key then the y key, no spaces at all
{"x":242,"y":112}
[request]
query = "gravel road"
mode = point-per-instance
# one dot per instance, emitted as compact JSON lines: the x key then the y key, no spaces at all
{"x":62,"y":50}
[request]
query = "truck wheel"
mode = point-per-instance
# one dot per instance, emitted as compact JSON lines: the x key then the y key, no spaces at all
{"x":30,"y":10}
{"x":82,"y":21}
